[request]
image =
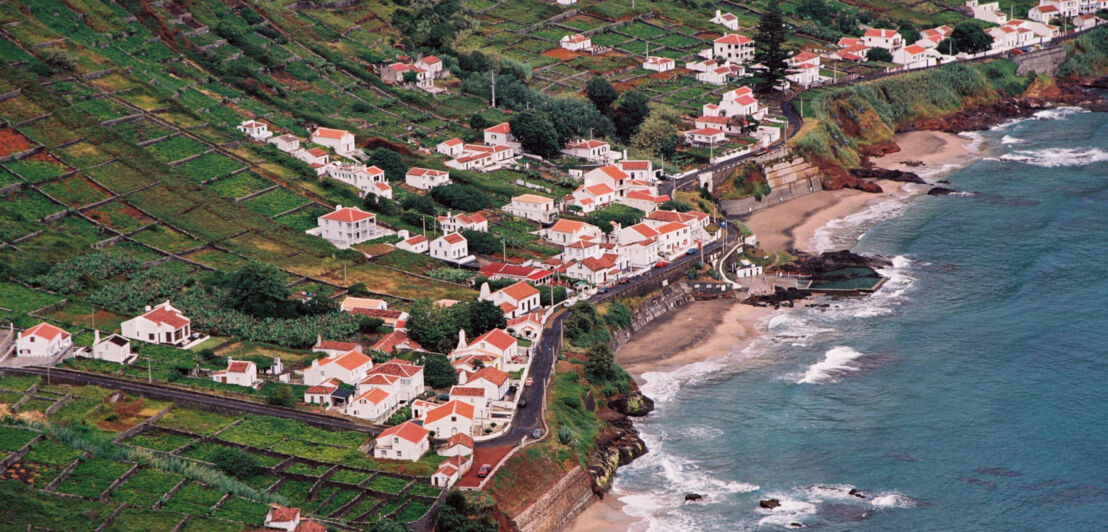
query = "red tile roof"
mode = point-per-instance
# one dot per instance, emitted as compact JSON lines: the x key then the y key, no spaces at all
{"x":397,"y":367}
{"x":374,"y":395}
{"x":635,"y":165}
{"x":332,"y":345}
{"x":706,"y":131}
{"x":45,"y":331}
{"x":329,"y":133}
{"x":406,"y":431}
{"x":239,"y":367}
{"x":614,"y":172}
{"x":392,"y":340}
{"x":733,"y":38}
{"x":490,"y":374}
{"x":884,"y":34}
{"x":497,"y":337}
{"x":502,"y":127}
{"x":460,"y":439}
{"x":317,"y":152}
{"x":519,"y":291}
{"x":349,"y":214}
{"x":282,"y":514}
{"x":453,"y":407}
{"x":466,"y":391}
{"x":454,"y":238}
{"x":161,"y":315}
{"x":352,"y":360}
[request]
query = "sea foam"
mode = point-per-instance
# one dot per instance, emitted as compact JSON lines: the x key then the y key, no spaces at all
{"x":1008,"y":139}
{"x":836,"y":361}
{"x":843,"y":233}
{"x":1059,"y":113}
{"x":1055,"y":157}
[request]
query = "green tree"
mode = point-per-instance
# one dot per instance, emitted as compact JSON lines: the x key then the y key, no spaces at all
{"x":909,"y":32}
{"x":879,"y":55}
{"x":970,"y":38}
{"x":484,"y":316}
{"x":535,"y":132}
{"x":601,"y":94}
{"x":281,"y":396}
{"x":436,"y":328}
{"x":457,"y":515}
{"x":461,"y":197}
{"x":656,"y":136}
{"x":599,"y":364}
{"x":259,"y":290}
{"x":411,"y":76}
{"x":630,"y":112}
{"x":483,"y":242}
{"x":390,"y":162}
{"x":675,"y":205}
{"x":769,"y":41}
{"x":236,"y":462}
{"x":438,"y":373}
{"x":478,"y":121}
{"x":369,"y":324}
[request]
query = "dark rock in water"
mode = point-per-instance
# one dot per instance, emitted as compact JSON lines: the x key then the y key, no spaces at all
{"x":856,"y":493}
{"x":632,"y":403}
{"x":794,"y":524}
{"x":987,"y":484}
{"x":943,"y":182}
{"x":844,"y":512}
{"x":769,"y":504}
{"x":884,"y":173}
{"x":693,"y":496}
{"x":940,"y":191}
{"x":998,"y":472}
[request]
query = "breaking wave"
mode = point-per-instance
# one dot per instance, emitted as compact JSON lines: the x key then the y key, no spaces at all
{"x":836,"y":361}
{"x":1056,"y":157}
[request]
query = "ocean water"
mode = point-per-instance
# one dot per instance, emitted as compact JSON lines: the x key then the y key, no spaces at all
{"x":969,"y":393}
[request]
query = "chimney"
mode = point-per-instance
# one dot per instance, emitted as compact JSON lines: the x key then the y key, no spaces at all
{"x":462,"y":338}
{"x":717,"y":13}
{"x":319,"y":339}
{"x":147,"y":308}
{"x":484,"y":292}
{"x":95,"y":336}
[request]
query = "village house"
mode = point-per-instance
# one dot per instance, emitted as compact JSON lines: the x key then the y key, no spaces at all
{"x":43,"y":341}
{"x":1004,"y":38}
{"x":581,"y":250}
{"x":317,"y":158}
{"x":238,"y":372}
{"x":426,"y":178}
{"x":659,"y":64}
{"x":359,"y":176}
{"x":720,"y":75}
{"x":674,"y":238}
{"x":989,"y":11}
{"x":493,"y":381}
{"x":282,"y":518}
{"x":481,"y":157}
{"x":734,"y":48}
{"x":161,"y":324}
{"x":1044,"y":13}
{"x":1064,"y":8}
{"x":879,"y":38}
{"x":394,"y":73}
{"x":433,"y":66}
{"x":320,"y":394}
{"x":333,"y":348}
{"x":1089,"y":7}
{"x":475,"y":396}
{"x":499,"y":270}
{"x":850,"y":49}
{"x":638,"y":169}
{"x":705,"y":137}
{"x":256,"y":130}
{"x":644,"y":200}
{"x":575,"y":43}
{"x":406,"y":441}
{"x":1085,"y":22}
{"x":696,"y":221}
{"x":931,"y":37}
{"x":740,"y":102}
{"x":497,"y":345}
{"x":727,"y":20}
{"x":415,"y":244}
{"x":114,"y":348}
{"x":401,"y":378}
{"x":450,"y":147}
{"x":566,"y":2}
{"x":350,"y":303}
{"x":566,"y":232}
{"x":804,"y":69}
{"x":453,"y":223}
{"x":457,"y":445}
{"x":375,"y":404}
{"x":532,"y":207}
{"x":598,"y":271}
{"x":515,"y":300}
{"x":286,"y":143}
{"x":642,"y":253}
{"x":346,"y":226}
{"x":341,"y":141}
{"x":350,"y":367}
{"x":588,"y":198}
{"x":1033,"y":32}
{"x":389,"y":317}
{"x":528,"y":326}
{"x":500,"y":135}
{"x":703,"y":65}
{"x":454,"y":468}
{"x":611,"y":176}
{"x":451,"y":247}
{"x":914,"y":56}
{"x":454,"y":417}
{"x":596,"y":151}
{"x":397,"y":342}
{"x":745,"y":269}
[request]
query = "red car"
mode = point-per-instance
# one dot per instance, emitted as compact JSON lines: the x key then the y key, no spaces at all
{"x":529,"y":381}
{"x":484,"y":471}
{"x":661,"y":264}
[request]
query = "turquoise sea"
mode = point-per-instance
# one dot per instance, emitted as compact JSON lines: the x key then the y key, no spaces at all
{"x":969,"y":393}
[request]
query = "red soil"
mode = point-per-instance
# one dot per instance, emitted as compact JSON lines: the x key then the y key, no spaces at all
{"x":481,"y":456}
{"x":11,"y":141}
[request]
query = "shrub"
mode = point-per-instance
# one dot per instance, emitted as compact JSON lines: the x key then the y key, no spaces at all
{"x":565,"y":434}
{"x":237,"y":463}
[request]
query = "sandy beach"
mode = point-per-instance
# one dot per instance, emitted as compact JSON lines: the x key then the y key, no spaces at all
{"x":935,"y":149}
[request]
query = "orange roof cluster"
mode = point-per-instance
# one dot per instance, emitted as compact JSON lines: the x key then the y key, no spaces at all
{"x":407,"y":430}
{"x":519,"y":291}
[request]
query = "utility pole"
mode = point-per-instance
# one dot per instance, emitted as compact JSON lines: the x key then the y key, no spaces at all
{"x":149,"y":373}
{"x":493,"y":89}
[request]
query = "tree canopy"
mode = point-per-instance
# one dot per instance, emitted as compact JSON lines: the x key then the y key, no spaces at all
{"x":970,"y":38}
{"x":601,"y":93}
{"x":535,"y":132}
{"x":769,"y":50}
{"x":630,"y":112}
{"x":390,"y":162}
{"x":437,"y":371}
{"x":258,"y":289}
{"x":879,"y":55}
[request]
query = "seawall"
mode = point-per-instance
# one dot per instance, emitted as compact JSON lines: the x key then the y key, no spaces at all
{"x":558,"y":507}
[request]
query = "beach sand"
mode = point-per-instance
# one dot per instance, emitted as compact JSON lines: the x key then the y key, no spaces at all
{"x":935,"y":149}
{"x":605,"y":515}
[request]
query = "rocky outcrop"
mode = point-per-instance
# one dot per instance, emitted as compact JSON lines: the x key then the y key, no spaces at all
{"x":816,"y":265}
{"x":617,"y":445}
{"x":874,"y":172}
{"x":779,"y":298}
{"x":981,"y":117}
{"x":940,"y":191}
{"x":769,"y":504}
{"x":633,"y":403}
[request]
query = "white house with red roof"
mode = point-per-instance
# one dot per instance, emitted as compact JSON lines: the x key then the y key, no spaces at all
{"x":493,"y":381}
{"x":43,"y":341}
{"x":1064,"y":8}
{"x":727,"y":20}
{"x":334,"y":348}
{"x":454,"y":417}
{"x":696,"y":220}
{"x":340,"y":140}
{"x":477,"y":396}
{"x":451,"y":247}
{"x":532,"y":207}
{"x":582,"y":249}
{"x":400,"y":377}
{"x":359,"y":176}
{"x":406,"y":441}
{"x":500,"y":135}
{"x":703,"y":65}
{"x":375,"y":404}
{"x":426,"y":178}
{"x":881,"y":38}
{"x":286,"y":143}
{"x":161,"y":324}
{"x":455,"y":467}
{"x":320,"y":394}
{"x":238,"y":372}
{"x":346,"y":226}
{"x":515,"y":300}
{"x":452,"y":223}
{"x":705,"y":137}
{"x":931,"y":37}
{"x":721,"y":74}
{"x":457,"y":445}
{"x":589,"y":198}
{"x":734,"y":48}
{"x":415,"y":244}
{"x":566,"y":232}
{"x":395,"y":342}
{"x":915,"y":56}
{"x":804,"y":69}
{"x":350,"y":303}
{"x":450,"y":147}
{"x":391,"y":317}
{"x":500,"y":270}
{"x":350,"y":367}
{"x":643,"y":200}
{"x":740,"y":102}
{"x":575,"y":42}
{"x":1044,"y":13}
{"x":989,"y":11}
{"x":496,"y":344}
{"x":317,"y":158}
{"x":592,"y":150}
{"x":610,"y":175}
{"x":282,"y":518}
{"x":1004,"y":38}
{"x":255,"y":129}
{"x":659,"y":64}
{"x":433,"y":66}
{"x":598,"y":271}
{"x":527,"y":326}
{"x":1086,"y":21}
{"x":640,"y":254}
{"x":394,"y":73}
{"x":638,"y":169}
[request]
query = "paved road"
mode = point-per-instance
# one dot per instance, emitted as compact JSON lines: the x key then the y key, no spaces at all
{"x":678,"y":263}
{"x":176,"y":394}
{"x":527,"y":419}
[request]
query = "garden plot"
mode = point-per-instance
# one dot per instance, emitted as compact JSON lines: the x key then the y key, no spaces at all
{"x":175,"y":148}
{"x":12,"y":141}
{"x":140,"y":130}
{"x":76,"y":191}
{"x":20,"y":211}
{"x":217,"y":259}
{"x":239,"y":185}
{"x":82,"y":155}
{"x":166,"y":239}
{"x":209,"y":166}
{"x":274,"y":202}
{"x":40,"y":166}
{"x":146,"y":487}
{"x":49,"y":132}
{"x":81,"y":313}
{"x":102,"y":109}
{"x":92,"y":477}
{"x":120,"y":177}
{"x":120,"y":216}
{"x":255,"y":245}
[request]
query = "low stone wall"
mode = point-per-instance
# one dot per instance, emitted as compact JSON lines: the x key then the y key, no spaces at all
{"x":1044,"y":61}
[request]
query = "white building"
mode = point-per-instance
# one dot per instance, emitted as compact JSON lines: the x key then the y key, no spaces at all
{"x":43,"y":341}
{"x":282,"y":518}
{"x":914,"y":56}
{"x":734,"y":48}
{"x":515,"y":300}
{"x":350,"y":367}
{"x":415,"y":244}
{"x":492,"y":380}
{"x":450,"y":147}
{"x":402,"y":379}
{"x":1004,"y":38}
{"x":638,"y":169}
{"x":643,"y":200}
{"x":337,"y":139}
{"x":989,"y":12}
{"x":114,"y":348}
{"x":426,"y":178}
{"x":406,"y":441}
{"x":931,"y":37}
{"x":1065,"y":8}
{"x":452,"y":223}
{"x":659,"y":64}
{"x":454,"y":468}
{"x":286,"y":143}
{"x":451,"y":247}
{"x":454,"y":417}
{"x":566,"y":232}
{"x":596,"y":151}
{"x":433,"y":66}
{"x":238,"y":372}
{"x":727,"y":20}
{"x":598,"y":271}
{"x":533,"y":207}
{"x":374,"y":404}
{"x":500,"y":135}
{"x":347,"y":226}
{"x":804,"y":69}
{"x":320,"y":394}
{"x":887,"y":39}
{"x":588,"y":198}
{"x":575,"y":42}
{"x":1043,"y":13}
{"x":359,"y":176}
{"x":705,"y":137}
{"x":256,"y":130}
{"x":737,"y":102}
{"x":162,"y":324}
{"x":720,"y":75}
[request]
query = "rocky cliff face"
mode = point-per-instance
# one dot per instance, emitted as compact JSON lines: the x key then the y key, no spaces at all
{"x":617,"y":445}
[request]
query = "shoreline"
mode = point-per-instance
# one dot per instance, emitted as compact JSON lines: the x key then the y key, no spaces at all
{"x":707,"y":330}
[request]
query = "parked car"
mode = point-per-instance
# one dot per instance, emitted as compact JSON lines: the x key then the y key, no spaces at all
{"x":529,"y":381}
{"x":443,"y":397}
{"x":523,"y":403}
{"x":661,"y":264}
{"x":624,"y":280}
{"x":484,"y":471}
{"x":691,"y":252}
{"x":537,"y":433}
